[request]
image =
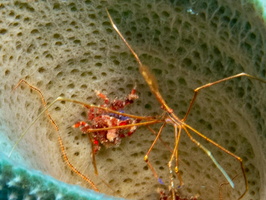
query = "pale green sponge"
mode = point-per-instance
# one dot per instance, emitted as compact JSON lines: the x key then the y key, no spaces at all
{"x":68,"y":48}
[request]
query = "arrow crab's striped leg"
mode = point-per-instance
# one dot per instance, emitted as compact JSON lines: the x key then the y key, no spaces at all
{"x":62,"y":148}
{"x":42,"y":99}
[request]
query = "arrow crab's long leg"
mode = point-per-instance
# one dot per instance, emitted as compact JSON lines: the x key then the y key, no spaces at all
{"x":196,"y":91}
{"x":175,"y":156}
{"x":146,"y":157}
{"x":186,"y":126}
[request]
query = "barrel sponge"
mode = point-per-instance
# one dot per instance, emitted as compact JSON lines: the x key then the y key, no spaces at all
{"x":69,"y":49}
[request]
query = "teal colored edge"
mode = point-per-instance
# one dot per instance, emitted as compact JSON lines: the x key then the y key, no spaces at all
{"x":18,"y":182}
{"x":261,"y":7}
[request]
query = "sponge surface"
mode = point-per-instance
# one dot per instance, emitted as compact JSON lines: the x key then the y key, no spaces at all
{"x":69,"y":49}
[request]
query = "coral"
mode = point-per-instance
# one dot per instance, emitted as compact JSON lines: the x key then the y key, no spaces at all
{"x":69,"y":49}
